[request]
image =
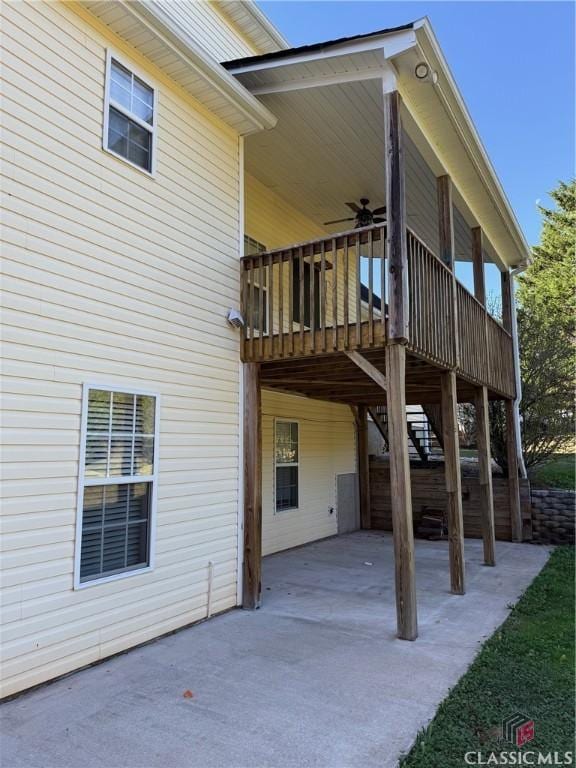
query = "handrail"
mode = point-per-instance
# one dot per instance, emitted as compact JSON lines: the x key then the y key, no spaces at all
{"x":351,"y":234}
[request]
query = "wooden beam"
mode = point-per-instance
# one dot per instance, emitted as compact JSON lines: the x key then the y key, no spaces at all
{"x":369,"y":369}
{"x":398,"y":297}
{"x":453,"y":482}
{"x":363,"y":466}
{"x":446,"y":241}
{"x":478,"y":264}
{"x":513,"y":481}
{"x":485,"y":467}
{"x":252,"y":567}
{"x":401,"y":495}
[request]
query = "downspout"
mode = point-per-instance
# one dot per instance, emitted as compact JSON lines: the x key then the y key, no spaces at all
{"x":516,"y":352}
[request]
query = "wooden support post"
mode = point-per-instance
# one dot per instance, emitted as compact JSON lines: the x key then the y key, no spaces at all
{"x":506,"y":301}
{"x":445,"y":220}
{"x":401,"y":495}
{"x":453,"y":482}
{"x":446,"y":241}
{"x":252,"y":568}
{"x":513,"y":479}
{"x":398,"y":297}
{"x":363,"y":467}
{"x":478,"y":264}
{"x":484,"y":465}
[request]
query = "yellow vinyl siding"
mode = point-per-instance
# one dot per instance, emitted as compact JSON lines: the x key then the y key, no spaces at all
{"x":110,"y":276}
{"x":326,"y":449}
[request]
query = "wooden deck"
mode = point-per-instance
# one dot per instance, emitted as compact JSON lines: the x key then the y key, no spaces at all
{"x":338,"y":286}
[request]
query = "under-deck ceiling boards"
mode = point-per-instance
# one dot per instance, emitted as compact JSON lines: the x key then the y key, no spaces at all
{"x":337,"y":378}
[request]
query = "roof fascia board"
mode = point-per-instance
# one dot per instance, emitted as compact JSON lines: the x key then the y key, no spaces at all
{"x":385,"y":73}
{"x":462,"y":121}
{"x":151,"y":15}
{"x":402,"y":41}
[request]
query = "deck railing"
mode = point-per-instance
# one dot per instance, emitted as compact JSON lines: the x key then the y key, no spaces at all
{"x":329,"y":295}
{"x":431,"y":305}
{"x":314,"y":297}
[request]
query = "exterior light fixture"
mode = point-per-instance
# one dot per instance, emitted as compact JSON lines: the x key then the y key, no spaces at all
{"x":235,"y":318}
{"x":423,"y":72}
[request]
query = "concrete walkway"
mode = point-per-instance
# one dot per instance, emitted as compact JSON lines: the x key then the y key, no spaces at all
{"x":315,"y":678}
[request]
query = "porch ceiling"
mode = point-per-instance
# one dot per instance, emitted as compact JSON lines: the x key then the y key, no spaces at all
{"x":326,"y":149}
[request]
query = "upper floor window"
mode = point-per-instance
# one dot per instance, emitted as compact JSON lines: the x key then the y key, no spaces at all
{"x":118,"y":476}
{"x":130,"y":117}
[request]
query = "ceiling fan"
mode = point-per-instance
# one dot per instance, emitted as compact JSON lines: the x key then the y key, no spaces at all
{"x":363,"y":217}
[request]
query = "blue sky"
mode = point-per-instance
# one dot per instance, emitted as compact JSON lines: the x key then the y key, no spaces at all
{"x":513,"y":62}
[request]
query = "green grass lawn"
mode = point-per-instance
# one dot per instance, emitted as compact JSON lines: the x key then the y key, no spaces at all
{"x":527,"y":666}
{"x":558,"y":473}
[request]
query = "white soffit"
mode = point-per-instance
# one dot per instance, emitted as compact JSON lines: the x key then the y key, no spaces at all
{"x":144,"y":25}
{"x":253,"y":24}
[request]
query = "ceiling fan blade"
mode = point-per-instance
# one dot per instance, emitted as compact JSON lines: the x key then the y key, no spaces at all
{"x":354,"y":206}
{"x":378,"y":220}
{"x":378,"y":211}
{"x":338,"y":221}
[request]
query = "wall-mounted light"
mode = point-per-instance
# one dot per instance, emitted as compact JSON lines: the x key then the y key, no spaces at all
{"x":423,"y":72}
{"x":235,"y":318}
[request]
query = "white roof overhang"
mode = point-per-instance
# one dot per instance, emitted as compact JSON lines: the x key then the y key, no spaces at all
{"x":253,"y":24}
{"x":328,"y":143}
{"x":146,"y":26}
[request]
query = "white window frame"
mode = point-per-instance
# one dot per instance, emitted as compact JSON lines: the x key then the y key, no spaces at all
{"x":118,"y":480}
{"x":284,"y":420}
{"x":109,"y":102}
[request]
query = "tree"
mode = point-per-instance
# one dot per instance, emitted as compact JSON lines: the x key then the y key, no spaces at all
{"x":547,"y":334}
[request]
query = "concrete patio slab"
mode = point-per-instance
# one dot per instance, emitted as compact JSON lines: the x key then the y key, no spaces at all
{"x":314,"y":678}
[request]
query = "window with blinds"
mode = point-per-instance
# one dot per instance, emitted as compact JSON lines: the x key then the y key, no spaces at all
{"x":117,"y":482}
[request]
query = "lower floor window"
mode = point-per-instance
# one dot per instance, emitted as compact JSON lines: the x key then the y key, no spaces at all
{"x":115,"y":529}
{"x":286,"y":465}
{"x":118,"y":473}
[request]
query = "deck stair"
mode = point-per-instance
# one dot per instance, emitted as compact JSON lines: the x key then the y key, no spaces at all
{"x":423,"y":440}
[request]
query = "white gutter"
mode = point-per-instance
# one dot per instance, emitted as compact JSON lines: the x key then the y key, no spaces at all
{"x":516,"y":354}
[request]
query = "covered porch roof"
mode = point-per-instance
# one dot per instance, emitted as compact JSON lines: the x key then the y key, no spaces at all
{"x":327,"y":147}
